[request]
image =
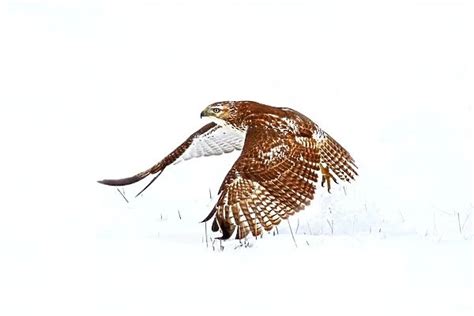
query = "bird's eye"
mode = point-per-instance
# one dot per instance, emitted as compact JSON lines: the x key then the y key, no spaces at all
{"x":216,"y":110}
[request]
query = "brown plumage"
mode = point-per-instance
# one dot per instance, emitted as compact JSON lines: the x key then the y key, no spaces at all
{"x":283,"y":155}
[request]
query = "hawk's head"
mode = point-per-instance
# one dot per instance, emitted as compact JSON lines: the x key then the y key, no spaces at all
{"x":221,"y":113}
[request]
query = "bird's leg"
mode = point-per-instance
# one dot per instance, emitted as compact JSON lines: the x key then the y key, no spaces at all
{"x":327,"y":176}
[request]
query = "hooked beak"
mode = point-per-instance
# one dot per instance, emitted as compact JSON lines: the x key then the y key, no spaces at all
{"x":204,"y":113}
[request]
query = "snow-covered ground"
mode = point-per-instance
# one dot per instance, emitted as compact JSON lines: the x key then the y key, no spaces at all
{"x":103,"y":89}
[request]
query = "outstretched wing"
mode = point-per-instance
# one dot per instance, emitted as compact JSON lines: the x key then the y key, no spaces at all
{"x":211,"y":139}
{"x":274,"y":177}
{"x":335,"y":160}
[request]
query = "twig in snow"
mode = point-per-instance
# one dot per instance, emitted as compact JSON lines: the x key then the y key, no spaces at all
{"x":403,"y":217}
{"x":292,"y":236}
{"x":297,"y":226}
{"x":309,"y":228}
{"x":465,"y":221}
{"x":122,"y":194}
{"x":179,"y":214}
{"x":331,"y":225}
{"x":213,"y":242}
{"x":459,"y":224}
{"x":205,"y":233}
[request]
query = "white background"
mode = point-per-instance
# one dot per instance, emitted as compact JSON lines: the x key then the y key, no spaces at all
{"x":104,"y":89}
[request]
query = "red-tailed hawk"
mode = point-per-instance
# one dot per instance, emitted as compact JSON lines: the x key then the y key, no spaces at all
{"x":283,"y":155}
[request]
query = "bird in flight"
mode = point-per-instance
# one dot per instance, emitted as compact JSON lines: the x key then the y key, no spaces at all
{"x":284,"y":157}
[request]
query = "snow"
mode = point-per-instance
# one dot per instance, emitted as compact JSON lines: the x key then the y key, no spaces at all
{"x":334,"y":275}
{"x":103,"y":89}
